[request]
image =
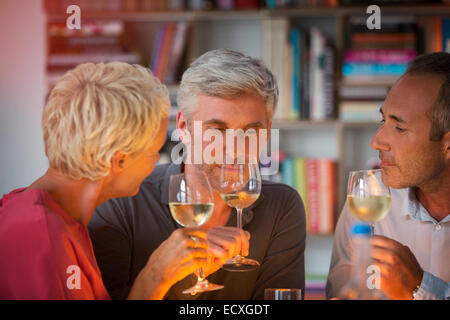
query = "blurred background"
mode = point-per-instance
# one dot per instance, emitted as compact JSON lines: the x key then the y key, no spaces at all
{"x":332,"y":69}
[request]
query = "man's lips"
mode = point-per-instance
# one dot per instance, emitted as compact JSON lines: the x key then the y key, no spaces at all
{"x":228,"y":167}
{"x":387,"y":164}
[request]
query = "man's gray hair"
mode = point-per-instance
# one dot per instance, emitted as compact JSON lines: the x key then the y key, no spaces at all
{"x":227,"y":74}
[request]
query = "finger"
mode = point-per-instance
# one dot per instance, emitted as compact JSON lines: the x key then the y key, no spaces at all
{"x":383,"y":255}
{"x":216,"y":251}
{"x":384,"y":268}
{"x":225,"y":241}
{"x":190,"y":266}
{"x":385,"y":242}
{"x":192,"y":254}
{"x":232,"y":239}
{"x":194,"y":232}
{"x":195,"y":242}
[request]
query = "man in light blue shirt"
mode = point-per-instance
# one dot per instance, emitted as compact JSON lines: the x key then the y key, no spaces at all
{"x":411,"y":245}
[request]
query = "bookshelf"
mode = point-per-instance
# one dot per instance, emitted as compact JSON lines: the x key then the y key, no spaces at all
{"x":347,"y":142}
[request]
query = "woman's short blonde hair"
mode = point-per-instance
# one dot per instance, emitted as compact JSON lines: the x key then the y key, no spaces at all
{"x":96,"y":110}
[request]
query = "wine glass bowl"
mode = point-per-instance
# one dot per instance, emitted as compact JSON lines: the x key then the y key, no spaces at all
{"x":368,"y":199}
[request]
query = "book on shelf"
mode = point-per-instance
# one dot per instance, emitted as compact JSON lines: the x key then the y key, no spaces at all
{"x":225,"y":4}
{"x":386,"y":2}
{"x":314,"y":179}
{"x":276,"y":4}
{"x":437,"y":33}
{"x":168,"y":49}
{"x":446,"y":34}
{"x":71,"y":60}
{"x":377,"y":56}
{"x":374,"y":59}
{"x":199,"y":4}
{"x":98,"y":41}
{"x":100,"y":28}
{"x":161,"y":5}
{"x":303,"y":63}
{"x":315,"y":286}
{"x":60,"y":6}
{"x":360,"y":111}
{"x":358,"y":93}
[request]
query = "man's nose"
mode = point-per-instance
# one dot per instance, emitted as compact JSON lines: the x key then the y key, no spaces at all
{"x":379,"y":140}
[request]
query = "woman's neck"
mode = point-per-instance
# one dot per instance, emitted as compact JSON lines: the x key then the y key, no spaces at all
{"x":78,"y":198}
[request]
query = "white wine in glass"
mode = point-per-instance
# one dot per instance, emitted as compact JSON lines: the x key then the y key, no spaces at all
{"x":191,"y":204}
{"x":191,"y":214}
{"x":240,"y":186}
{"x":368,"y":199}
{"x":369,"y":209}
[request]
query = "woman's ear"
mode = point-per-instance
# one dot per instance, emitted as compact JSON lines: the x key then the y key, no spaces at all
{"x":118,"y":162}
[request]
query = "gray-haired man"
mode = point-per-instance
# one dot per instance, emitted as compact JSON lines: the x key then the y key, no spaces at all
{"x":221,"y":90}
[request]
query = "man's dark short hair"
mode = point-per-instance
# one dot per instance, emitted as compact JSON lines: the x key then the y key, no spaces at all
{"x":437,"y":63}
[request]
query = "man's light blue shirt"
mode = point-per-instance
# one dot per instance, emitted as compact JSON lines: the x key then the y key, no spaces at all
{"x":409,"y":223}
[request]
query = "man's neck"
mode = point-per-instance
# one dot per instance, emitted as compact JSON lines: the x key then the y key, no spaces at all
{"x":435,"y":198}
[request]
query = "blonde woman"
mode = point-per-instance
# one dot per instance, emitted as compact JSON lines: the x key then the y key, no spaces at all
{"x":103,"y":126}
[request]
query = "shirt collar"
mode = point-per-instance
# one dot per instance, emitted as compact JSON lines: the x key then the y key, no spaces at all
{"x":247,"y":214}
{"x":416,"y":210}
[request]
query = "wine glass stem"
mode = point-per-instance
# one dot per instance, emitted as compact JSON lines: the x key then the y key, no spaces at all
{"x":200,"y":275}
{"x":239,"y":225}
{"x":239,"y":218}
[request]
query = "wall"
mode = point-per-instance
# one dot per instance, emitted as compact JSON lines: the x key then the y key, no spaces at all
{"x":22,"y":92}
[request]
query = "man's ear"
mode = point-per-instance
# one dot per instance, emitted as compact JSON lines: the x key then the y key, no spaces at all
{"x":446,"y":145}
{"x":182,"y":129}
{"x":118,"y":162}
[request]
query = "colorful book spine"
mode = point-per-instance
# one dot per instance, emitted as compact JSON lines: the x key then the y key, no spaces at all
{"x":380,"y":55}
{"x":317,"y":49}
{"x":166,"y":50}
{"x":301,"y":184}
{"x":288,"y":172}
{"x":446,"y":35}
{"x":314,"y":179}
{"x":294,"y":40}
{"x":177,"y":52}
{"x":313,"y":195}
{"x":326,"y":196}
{"x":349,"y":69}
{"x":246,"y":4}
{"x":157,"y":44}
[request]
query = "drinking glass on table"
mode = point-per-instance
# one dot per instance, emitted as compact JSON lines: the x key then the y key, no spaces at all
{"x":282,"y":294}
{"x":239,"y":187}
{"x":368,"y":199}
{"x":191,"y":204}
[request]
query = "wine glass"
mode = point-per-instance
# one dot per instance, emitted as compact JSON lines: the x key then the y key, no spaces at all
{"x":282,"y":294}
{"x":191,"y":204}
{"x":239,"y":187}
{"x":368,"y":199}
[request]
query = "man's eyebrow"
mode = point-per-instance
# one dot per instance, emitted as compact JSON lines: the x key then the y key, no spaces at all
{"x":257,"y":124}
{"x":396,"y":118}
{"x":215,"y":121}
